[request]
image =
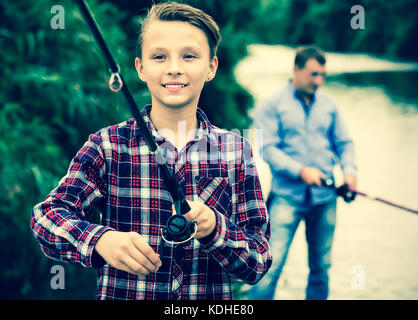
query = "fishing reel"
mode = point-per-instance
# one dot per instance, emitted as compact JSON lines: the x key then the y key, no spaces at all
{"x":345,"y":192}
{"x":342,"y":191}
{"x":178,"y":229}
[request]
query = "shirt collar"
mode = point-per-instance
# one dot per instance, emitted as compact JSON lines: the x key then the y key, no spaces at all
{"x":205,"y":131}
{"x":297,"y":95}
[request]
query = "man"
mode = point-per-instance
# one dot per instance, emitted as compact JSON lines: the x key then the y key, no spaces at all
{"x":304,"y":135}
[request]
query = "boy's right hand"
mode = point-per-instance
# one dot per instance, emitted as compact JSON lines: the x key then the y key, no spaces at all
{"x":128,"y":251}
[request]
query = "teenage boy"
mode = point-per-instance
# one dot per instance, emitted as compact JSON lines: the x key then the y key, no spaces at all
{"x":115,"y":172}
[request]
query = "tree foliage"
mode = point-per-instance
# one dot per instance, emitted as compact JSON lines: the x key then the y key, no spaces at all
{"x":390,"y":26}
{"x":54,"y":94}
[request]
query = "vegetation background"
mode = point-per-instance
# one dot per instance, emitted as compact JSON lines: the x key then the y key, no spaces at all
{"x":54,"y":94}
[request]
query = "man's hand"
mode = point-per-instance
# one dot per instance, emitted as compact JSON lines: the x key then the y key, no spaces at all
{"x":203,"y":216}
{"x":351,"y":181}
{"x":128,"y":251}
{"x":311,"y":176}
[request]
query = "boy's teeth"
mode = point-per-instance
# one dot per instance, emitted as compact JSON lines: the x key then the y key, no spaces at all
{"x":174,"y":85}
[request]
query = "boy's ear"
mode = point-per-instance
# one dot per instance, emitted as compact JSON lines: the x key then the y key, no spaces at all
{"x":140,"y":69}
{"x":213,"y":66}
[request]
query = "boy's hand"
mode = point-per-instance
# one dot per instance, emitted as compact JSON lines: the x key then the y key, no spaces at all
{"x":203,"y":216}
{"x":128,"y":251}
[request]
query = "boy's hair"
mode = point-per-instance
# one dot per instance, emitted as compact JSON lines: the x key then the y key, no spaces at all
{"x":173,"y":11}
{"x":303,"y":54}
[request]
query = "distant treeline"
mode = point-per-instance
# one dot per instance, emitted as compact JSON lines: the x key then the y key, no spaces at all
{"x":390,"y":27}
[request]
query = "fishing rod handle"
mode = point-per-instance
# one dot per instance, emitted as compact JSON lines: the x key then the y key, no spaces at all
{"x":328,"y":182}
{"x":343,"y":191}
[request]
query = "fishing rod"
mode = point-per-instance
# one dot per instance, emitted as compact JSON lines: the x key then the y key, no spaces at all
{"x":178,"y":229}
{"x":349,"y":195}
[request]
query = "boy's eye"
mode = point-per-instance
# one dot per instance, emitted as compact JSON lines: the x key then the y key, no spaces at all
{"x":158,"y":57}
{"x":189,"y":56}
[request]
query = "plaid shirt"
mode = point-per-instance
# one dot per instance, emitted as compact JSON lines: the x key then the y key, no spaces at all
{"x":115,"y":172}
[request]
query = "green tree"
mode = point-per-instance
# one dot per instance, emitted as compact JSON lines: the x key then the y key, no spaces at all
{"x":389,"y":26}
{"x":54,"y":94}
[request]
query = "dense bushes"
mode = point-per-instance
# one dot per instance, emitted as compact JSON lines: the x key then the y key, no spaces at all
{"x":54,"y":93}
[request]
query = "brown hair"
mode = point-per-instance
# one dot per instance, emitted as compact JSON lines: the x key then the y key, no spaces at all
{"x":174,"y":11}
{"x":303,"y":54}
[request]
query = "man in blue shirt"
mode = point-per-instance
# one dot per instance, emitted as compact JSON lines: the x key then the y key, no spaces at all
{"x":304,"y":137}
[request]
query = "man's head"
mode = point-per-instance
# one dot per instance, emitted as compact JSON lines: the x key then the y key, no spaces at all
{"x":309,"y":69}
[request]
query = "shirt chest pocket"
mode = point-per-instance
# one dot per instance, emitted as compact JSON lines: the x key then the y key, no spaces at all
{"x":215,"y":192}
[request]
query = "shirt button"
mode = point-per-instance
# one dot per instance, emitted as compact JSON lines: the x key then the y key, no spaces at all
{"x":174,"y":296}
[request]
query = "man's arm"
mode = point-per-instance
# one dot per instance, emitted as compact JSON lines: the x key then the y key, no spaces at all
{"x":344,"y":150}
{"x":268,"y":120}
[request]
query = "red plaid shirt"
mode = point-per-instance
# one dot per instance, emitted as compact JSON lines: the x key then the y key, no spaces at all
{"x":115,"y":172}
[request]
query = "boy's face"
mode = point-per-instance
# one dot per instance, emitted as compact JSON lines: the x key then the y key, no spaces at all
{"x":175,"y":63}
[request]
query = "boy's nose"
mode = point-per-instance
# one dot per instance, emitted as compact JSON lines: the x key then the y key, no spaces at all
{"x":174,"y":68}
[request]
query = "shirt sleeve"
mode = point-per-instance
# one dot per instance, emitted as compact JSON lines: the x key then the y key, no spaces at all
{"x":59,"y":223}
{"x":268,"y":119}
{"x":343,"y":145}
{"x":240,"y":244}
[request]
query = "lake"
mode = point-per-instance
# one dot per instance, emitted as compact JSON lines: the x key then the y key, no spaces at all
{"x":374,"y":254}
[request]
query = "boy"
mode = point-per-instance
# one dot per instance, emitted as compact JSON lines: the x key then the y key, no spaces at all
{"x":115,"y":172}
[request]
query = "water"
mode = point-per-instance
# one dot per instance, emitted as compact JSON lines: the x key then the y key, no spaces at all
{"x":374,"y":254}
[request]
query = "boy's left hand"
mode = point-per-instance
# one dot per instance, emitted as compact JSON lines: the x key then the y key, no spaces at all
{"x":203,"y":216}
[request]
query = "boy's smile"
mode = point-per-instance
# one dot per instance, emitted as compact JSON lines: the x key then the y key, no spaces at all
{"x":175,"y":86}
{"x":175,"y":63}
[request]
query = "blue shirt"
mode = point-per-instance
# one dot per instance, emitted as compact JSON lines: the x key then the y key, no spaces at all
{"x":296,"y":135}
